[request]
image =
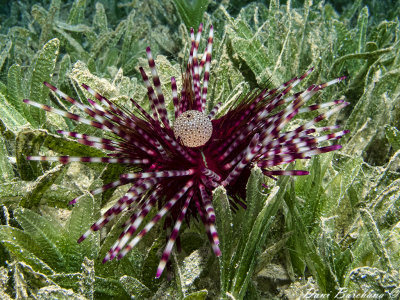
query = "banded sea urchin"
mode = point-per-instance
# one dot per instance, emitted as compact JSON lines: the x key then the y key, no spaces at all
{"x":183,"y":163}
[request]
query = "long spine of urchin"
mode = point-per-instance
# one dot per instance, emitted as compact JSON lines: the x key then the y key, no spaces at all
{"x":174,"y":235}
{"x":156,"y":218}
{"x":207,"y":227}
{"x":134,"y":193}
{"x":273,"y":124}
{"x":275,"y":96}
{"x":100,"y":122}
{"x":132,"y":226}
{"x":195,"y":68}
{"x":207,"y":69}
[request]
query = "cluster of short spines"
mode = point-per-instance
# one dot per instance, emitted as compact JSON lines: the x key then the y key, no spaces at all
{"x":178,"y":176}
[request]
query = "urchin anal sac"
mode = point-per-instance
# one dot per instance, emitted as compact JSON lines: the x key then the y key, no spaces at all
{"x":193,"y":128}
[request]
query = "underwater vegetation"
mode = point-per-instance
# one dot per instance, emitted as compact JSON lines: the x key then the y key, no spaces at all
{"x":333,"y":231}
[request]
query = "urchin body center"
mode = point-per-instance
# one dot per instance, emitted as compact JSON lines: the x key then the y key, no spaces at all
{"x":193,"y":129}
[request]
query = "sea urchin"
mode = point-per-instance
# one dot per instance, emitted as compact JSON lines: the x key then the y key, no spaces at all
{"x":182,"y":163}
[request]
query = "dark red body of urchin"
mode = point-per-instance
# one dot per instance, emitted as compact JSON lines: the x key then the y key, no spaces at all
{"x":178,"y":180}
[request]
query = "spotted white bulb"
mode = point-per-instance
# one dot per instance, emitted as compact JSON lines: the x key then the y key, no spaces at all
{"x":193,"y":128}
